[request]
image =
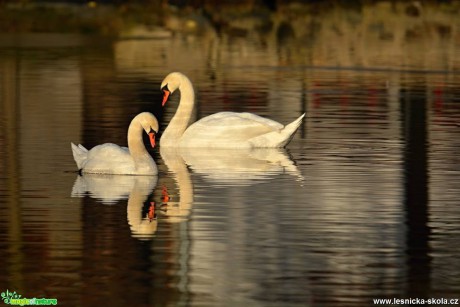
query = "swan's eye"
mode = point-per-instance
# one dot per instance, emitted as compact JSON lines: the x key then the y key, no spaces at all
{"x":165,"y":88}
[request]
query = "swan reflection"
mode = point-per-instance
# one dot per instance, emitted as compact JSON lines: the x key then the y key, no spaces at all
{"x":178,"y":208}
{"x":109,"y":189}
{"x":238,"y":166}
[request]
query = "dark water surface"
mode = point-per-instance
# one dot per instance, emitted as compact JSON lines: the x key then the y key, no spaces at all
{"x":364,"y":202}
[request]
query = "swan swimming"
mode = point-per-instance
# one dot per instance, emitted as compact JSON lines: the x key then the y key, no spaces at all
{"x":219,"y":130}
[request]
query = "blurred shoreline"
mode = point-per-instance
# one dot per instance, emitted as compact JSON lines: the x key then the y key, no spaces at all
{"x":414,"y":35}
{"x":238,"y":17}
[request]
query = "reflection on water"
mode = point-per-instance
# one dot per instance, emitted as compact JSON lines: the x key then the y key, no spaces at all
{"x":362,"y":204}
{"x":110,"y":189}
{"x":179,"y":207}
{"x":242,"y":166}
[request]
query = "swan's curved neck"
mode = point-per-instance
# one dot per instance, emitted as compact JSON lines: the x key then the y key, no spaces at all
{"x":181,"y":119}
{"x":135,"y":143}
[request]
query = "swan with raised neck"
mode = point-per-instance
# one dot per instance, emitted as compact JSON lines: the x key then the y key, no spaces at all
{"x":181,"y":119}
{"x":219,"y":130}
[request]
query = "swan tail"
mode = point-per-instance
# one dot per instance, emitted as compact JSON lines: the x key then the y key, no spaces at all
{"x":80,"y":154}
{"x":279,"y":138}
{"x":289,"y":130}
{"x":292,"y":127}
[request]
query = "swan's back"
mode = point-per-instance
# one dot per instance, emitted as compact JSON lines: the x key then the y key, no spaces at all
{"x":227,"y":129}
{"x":104,"y":159}
{"x":109,"y":158}
{"x":240,"y":120}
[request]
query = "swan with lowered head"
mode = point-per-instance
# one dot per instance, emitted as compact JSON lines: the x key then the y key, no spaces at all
{"x":109,"y":158}
{"x":219,"y":130}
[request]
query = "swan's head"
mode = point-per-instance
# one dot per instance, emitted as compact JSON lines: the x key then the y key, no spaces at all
{"x":149,"y":123}
{"x":172,"y":82}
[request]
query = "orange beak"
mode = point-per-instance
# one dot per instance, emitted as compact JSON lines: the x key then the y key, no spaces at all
{"x":166,"y":94}
{"x":152,"y":138}
{"x":151,"y":215}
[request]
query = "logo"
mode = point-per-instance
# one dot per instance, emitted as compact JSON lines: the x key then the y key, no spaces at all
{"x":12,"y":298}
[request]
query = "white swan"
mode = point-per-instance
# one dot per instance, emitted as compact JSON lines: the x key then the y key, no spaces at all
{"x":112,"y":159}
{"x":220,"y":130}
